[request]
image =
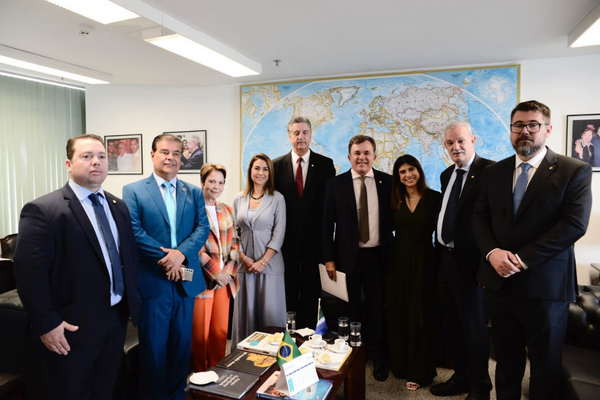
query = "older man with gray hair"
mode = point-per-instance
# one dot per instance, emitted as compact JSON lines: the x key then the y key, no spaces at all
{"x":464,"y":320}
{"x":196,"y":158}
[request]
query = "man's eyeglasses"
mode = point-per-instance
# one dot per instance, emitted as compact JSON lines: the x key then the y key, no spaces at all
{"x":532,"y":127}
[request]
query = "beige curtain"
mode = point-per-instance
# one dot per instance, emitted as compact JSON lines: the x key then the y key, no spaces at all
{"x":36,"y":120}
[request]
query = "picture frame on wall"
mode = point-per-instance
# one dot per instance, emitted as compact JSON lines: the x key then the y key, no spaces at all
{"x":124,"y":153}
{"x":583,"y":138}
{"x":194,"y":150}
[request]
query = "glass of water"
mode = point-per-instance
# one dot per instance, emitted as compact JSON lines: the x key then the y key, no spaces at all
{"x":355,"y":338}
{"x":291,"y":322}
{"x":343,"y":328}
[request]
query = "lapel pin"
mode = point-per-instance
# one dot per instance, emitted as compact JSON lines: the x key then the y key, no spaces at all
{"x":472,"y":176}
{"x":183,"y":190}
{"x":114,"y":201}
{"x":312,"y":165}
{"x":551,"y":168}
{"x":379,"y":181}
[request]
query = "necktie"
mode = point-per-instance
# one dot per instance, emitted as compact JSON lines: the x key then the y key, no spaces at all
{"x":450,"y":214}
{"x":520,"y":187}
{"x":363,"y":212}
{"x":115,"y":259}
{"x":171,"y":212}
{"x":299,"y":181}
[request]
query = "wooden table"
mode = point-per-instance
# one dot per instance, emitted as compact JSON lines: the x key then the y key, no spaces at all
{"x":352,"y":375}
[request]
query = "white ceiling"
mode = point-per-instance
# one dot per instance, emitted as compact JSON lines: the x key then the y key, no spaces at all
{"x":312,"y":38}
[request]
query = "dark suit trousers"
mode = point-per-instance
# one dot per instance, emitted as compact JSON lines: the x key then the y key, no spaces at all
{"x":368,"y":274}
{"x":539,"y":326}
{"x":165,"y":332}
{"x":88,"y":373}
{"x":302,"y":290}
{"x":464,"y":325}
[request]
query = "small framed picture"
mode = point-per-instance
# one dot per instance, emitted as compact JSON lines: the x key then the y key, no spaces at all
{"x":583,"y":138}
{"x":194,"y":150}
{"x":124,"y":154}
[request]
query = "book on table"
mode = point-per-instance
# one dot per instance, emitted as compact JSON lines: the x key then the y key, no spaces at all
{"x":326,"y":357}
{"x":234,"y":384}
{"x":244,"y":361}
{"x":260,"y":342}
{"x":318,"y":391}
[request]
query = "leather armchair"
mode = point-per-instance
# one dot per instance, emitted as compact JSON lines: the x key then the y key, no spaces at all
{"x":581,"y":354}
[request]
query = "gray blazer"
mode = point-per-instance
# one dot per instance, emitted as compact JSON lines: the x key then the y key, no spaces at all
{"x":267,"y":230}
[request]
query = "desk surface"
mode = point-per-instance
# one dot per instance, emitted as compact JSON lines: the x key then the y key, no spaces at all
{"x":352,"y":374}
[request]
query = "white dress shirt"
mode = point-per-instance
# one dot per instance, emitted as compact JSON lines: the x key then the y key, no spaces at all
{"x":373,"y":204}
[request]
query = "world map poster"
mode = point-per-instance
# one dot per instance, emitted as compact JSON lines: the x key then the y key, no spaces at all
{"x":406,"y":113}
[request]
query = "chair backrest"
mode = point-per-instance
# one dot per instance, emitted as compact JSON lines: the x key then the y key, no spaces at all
{"x":583,"y":329}
{"x":8,"y":244}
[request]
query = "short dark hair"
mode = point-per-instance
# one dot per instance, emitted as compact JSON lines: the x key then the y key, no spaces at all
{"x":71,"y":143}
{"x":299,"y":120}
{"x":398,"y":188}
{"x":209,"y":168}
{"x":134,"y":140}
{"x":168,"y":137}
{"x":270,"y":185}
{"x":532,"y":105}
{"x":358,"y":139}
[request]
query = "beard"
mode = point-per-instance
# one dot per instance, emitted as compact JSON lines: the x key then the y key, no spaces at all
{"x":526,"y":147}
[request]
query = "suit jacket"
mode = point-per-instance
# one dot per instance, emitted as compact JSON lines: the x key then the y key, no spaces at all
{"x":340,"y":216}
{"x":304,"y":215}
{"x":210,"y":254}
{"x":553,"y":214}
{"x":61,"y":272}
{"x":467,"y":252}
{"x":152,"y":231}
{"x":195,"y":161}
{"x":267,"y":229}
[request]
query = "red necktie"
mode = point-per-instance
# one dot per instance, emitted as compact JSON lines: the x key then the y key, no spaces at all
{"x":299,"y":183}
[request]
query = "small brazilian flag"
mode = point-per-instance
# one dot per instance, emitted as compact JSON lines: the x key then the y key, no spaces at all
{"x":287,"y":349}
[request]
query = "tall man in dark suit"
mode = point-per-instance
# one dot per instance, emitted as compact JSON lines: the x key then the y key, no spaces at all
{"x":170,"y":225}
{"x":76,"y":266}
{"x":462,"y":308}
{"x":532,"y":209}
{"x":357,"y":211}
{"x":300,"y":176}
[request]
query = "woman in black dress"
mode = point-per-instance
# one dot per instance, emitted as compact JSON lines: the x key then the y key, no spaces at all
{"x":410,"y":277}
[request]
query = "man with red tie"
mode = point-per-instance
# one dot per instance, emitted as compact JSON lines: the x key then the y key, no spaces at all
{"x":300,"y":176}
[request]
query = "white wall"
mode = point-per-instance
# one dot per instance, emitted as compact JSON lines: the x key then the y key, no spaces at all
{"x":566,"y":85}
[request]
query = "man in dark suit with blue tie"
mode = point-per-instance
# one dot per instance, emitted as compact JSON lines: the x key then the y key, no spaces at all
{"x":170,"y":225}
{"x":300,"y":176}
{"x":357,"y":233}
{"x":76,"y":266}
{"x":533,"y":207}
{"x":462,"y":308}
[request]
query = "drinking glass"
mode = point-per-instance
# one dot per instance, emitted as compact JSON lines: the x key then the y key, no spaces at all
{"x":343,"y":328}
{"x":355,"y":338}
{"x":291,"y":322}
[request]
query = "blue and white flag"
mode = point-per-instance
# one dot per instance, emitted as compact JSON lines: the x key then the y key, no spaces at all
{"x":321,"y":328}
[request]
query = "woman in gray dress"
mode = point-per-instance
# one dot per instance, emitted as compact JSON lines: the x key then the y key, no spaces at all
{"x":260,"y":220}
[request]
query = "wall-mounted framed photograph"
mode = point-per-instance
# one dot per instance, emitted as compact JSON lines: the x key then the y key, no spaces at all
{"x":124,"y":154}
{"x":194,"y":150}
{"x":583,"y":138}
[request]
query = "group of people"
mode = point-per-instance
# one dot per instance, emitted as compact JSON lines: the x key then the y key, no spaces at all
{"x":123,"y":156}
{"x":498,"y":241}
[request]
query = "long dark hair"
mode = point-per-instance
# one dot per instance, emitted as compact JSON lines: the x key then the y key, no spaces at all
{"x":398,"y":188}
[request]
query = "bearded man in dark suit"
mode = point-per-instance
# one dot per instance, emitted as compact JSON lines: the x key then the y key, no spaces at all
{"x":533,"y":207}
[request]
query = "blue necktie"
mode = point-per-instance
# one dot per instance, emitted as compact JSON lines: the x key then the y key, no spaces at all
{"x":450,"y":213}
{"x":520,"y":187}
{"x":115,"y":259}
{"x":171,"y":212}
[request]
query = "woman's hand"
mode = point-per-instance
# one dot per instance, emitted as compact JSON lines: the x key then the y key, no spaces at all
{"x":223,"y":279}
{"x":256,"y":268}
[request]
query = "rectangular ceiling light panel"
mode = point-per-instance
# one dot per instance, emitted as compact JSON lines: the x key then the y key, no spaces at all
{"x":587,"y":33}
{"x":103,"y":11}
{"x":203,"y":55}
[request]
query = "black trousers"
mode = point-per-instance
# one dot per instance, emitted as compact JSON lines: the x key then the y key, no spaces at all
{"x":520,"y":323}
{"x":88,"y":373}
{"x":464,"y":325}
{"x":368,"y":275}
{"x":302,"y":290}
